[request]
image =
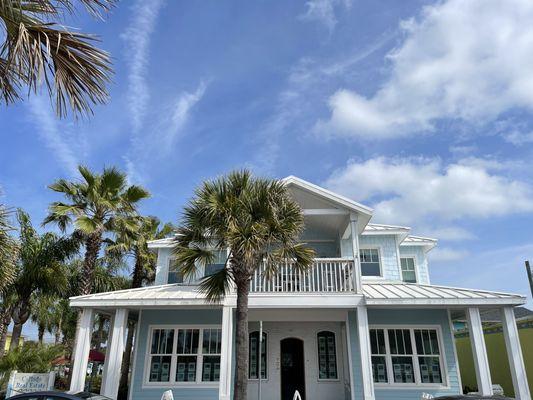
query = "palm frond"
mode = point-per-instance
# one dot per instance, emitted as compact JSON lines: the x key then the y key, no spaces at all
{"x":217,"y":285}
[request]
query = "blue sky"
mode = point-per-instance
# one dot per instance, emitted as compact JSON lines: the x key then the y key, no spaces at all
{"x":420,"y":109}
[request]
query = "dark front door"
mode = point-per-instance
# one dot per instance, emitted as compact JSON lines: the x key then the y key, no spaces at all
{"x":292,"y":368}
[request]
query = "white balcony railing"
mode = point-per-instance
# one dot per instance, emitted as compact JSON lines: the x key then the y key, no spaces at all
{"x":326,"y":275}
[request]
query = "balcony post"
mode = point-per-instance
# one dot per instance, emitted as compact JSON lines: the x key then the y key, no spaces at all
{"x":355,"y":251}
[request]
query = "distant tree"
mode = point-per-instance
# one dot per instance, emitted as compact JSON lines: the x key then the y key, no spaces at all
{"x":30,"y":357}
{"x":96,"y":205}
{"x":259,"y":223}
{"x":37,"y":50}
{"x":40,"y":270}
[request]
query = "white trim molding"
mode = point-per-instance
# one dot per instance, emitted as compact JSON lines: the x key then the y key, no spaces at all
{"x":479,"y":351}
{"x":224,"y":389}
{"x":81,"y":351}
{"x":364,"y":349}
{"x":514,"y":353}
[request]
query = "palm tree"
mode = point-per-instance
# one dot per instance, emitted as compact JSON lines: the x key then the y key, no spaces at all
{"x":96,"y":205}
{"x":259,"y":223}
{"x":44,"y":314}
{"x":40,"y":270}
{"x":134,"y":243}
{"x":38,"y":50}
{"x":8,"y":249}
{"x":8,"y":258}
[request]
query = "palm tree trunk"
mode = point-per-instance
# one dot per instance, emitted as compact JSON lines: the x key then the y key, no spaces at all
{"x":241,"y":365}
{"x":20,"y":315}
{"x":58,"y":331}
{"x":5,"y":320}
{"x":41,"y":333}
{"x":136,"y":283}
{"x":15,"y":336}
{"x":127,"y":356}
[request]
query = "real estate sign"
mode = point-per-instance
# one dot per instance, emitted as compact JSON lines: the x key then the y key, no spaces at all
{"x":20,"y":382}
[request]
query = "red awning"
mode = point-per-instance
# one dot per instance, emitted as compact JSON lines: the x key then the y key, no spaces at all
{"x":95,"y":355}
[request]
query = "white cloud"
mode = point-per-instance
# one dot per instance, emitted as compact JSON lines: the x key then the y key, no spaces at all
{"x":423,"y":190}
{"x":137,"y":37}
{"x":181,"y":110}
{"x":47,"y":126}
{"x":462,"y":60}
{"x":323,"y":11}
{"x":519,"y":138}
{"x":447,"y":254}
{"x":450,"y":233}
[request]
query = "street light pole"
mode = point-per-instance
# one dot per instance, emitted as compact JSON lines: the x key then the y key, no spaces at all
{"x":530,"y":276}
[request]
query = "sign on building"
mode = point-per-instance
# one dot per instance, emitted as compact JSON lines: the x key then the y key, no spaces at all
{"x":20,"y":382}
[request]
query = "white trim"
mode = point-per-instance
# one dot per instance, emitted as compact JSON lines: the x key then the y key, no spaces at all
{"x":365,"y":353}
{"x":226,"y":354}
{"x":199,"y":383}
{"x":81,"y":351}
{"x":514,"y":354}
{"x":479,"y":351}
{"x":417,"y":384}
{"x":135,"y":352}
{"x":350,"y":362}
{"x":115,"y":352}
{"x":456,"y":358}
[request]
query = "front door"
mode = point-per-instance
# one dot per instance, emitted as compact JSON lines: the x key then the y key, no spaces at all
{"x":292,"y":368}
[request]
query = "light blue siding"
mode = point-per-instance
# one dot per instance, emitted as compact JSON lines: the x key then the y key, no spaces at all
{"x":177,"y":317}
{"x":419,"y":317}
{"x":420,"y":261}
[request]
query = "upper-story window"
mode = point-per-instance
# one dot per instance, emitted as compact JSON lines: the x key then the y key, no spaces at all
{"x":218,"y":262}
{"x":174,"y":273}
{"x":408,"y":269}
{"x":370,"y":262}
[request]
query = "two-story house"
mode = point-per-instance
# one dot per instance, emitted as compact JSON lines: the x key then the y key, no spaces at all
{"x":363,"y":323}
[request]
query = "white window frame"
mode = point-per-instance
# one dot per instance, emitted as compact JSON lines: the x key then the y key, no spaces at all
{"x":380,"y":258}
{"x":336,"y":356}
{"x":415,"y":263}
{"x":199,"y":365}
{"x":418,"y":381}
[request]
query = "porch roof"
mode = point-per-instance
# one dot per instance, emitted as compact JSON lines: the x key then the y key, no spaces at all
{"x":399,"y":293}
{"x":375,"y":294}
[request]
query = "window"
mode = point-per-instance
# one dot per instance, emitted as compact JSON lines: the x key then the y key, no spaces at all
{"x":185,"y":355}
{"x":327,"y":355}
{"x":254,"y":356}
{"x":408,"y":269}
{"x":218,"y":262}
{"x":370,"y":265}
{"x":174,"y":273}
{"x":161,"y":355}
{"x":406,"y":356}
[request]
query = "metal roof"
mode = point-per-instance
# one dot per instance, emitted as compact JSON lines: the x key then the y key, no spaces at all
{"x":375,"y":293}
{"x":396,"y":293}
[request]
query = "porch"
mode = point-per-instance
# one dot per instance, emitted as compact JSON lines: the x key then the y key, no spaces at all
{"x":366,"y":360}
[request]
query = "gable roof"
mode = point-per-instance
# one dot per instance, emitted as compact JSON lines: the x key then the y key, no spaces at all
{"x":364,"y":211}
{"x":426,"y":243}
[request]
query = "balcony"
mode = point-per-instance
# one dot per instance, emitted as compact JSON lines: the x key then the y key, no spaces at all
{"x":327,"y":275}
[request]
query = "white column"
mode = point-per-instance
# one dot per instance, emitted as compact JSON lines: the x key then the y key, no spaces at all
{"x":224,"y":389}
{"x":364,"y":349}
{"x":479,"y":351}
{"x":514,"y":353}
{"x":114,"y":353}
{"x":355,"y":251}
{"x":81,"y":351}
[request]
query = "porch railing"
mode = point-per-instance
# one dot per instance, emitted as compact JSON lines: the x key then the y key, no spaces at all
{"x":326,"y":275}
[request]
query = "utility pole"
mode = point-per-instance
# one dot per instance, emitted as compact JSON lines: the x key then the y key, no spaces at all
{"x":530,"y":276}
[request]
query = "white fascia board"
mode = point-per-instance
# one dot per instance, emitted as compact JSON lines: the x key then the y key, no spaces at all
{"x":364,"y":211}
{"x":446,"y":302}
